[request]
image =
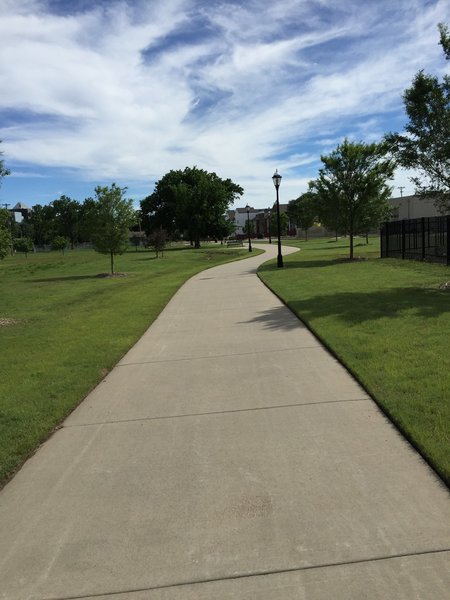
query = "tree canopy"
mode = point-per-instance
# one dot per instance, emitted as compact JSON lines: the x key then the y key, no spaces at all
{"x":3,"y":170}
{"x":445,"y":39}
{"x":5,"y":233}
{"x":351,"y":189}
{"x":425,"y":145}
{"x":303,"y":211}
{"x":23,"y":244}
{"x":190,"y":202}
{"x":66,"y":216}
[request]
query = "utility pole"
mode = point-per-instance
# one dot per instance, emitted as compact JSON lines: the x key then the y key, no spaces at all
{"x":401,"y":188}
{"x":6,"y":205}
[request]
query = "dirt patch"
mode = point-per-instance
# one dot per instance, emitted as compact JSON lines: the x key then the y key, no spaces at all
{"x":5,"y":322}
{"x":105,"y":275}
{"x":445,"y":286}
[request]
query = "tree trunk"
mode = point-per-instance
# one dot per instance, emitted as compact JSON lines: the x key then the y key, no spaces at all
{"x":112,"y":262}
{"x":351,"y":245}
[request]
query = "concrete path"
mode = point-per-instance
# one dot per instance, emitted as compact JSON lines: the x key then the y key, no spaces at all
{"x":227,"y":456}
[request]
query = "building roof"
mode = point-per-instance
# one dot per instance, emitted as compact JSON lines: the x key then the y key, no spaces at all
{"x":250,"y":209}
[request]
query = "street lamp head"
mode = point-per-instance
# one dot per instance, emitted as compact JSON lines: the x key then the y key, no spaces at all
{"x":276,"y":178}
{"x":247,"y":208}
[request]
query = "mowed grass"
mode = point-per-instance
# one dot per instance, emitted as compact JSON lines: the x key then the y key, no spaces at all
{"x":388,"y":322}
{"x":71,"y":327}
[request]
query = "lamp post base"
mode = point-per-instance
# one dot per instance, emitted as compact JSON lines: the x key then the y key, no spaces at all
{"x":280,"y":261}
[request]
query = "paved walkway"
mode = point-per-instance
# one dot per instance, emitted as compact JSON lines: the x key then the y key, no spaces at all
{"x":227,"y":456}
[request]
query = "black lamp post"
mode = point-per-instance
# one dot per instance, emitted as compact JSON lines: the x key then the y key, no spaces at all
{"x":270,"y":216}
{"x":248,"y":228}
{"x":276,"y":182}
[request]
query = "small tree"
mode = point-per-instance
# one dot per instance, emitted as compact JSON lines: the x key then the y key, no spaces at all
{"x":60,"y":243}
{"x":157,"y":241}
{"x":23,"y":244}
{"x":111,"y":218}
{"x":351,"y":188}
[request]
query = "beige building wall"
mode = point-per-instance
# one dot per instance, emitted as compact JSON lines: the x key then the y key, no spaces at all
{"x":412,"y":207}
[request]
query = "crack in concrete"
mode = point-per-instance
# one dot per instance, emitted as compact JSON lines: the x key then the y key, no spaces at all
{"x":218,"y":412}
{"x":184,"y":358}
{"x":255,"y":574}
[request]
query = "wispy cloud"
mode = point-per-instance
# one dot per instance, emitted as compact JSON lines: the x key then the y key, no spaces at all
{"x":128,"y":90}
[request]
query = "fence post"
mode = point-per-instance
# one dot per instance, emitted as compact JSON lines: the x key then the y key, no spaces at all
{"x":447,"y":219}
{"x":423,"y":237}
{"x":383,"y":240}
{"x":403,"y":239}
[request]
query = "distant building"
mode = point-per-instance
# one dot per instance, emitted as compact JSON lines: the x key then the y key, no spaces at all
{"x":20,"y":212}
{"x":412,"y":207}
{"x":259,"y":216}
{"x":240,"y":217}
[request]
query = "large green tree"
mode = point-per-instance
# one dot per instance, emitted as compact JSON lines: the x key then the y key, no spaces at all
{"x":5,"y":218}
{"x":303,"y":211}
{"x":5,"y":233}
{"x":3,"y":170}
{"x":425,"y":145}
{"x":42,"y":223}
{"x":66,"y":217}
{"x":352,"y":188}
{"x":190,"y":202}
{"x":111,"y":216}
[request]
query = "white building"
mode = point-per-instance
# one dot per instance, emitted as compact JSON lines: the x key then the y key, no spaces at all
{"x":240,"y":217}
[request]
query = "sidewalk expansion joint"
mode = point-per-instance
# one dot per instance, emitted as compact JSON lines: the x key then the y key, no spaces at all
{"x":250,"y":575}
{"x":209,"y":356}
{"x":218,"y":412}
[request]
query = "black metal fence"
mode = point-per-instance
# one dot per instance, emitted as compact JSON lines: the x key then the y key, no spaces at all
{"x":427,"y":238}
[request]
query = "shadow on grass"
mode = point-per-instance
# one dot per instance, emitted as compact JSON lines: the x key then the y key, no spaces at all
{"x":306,"y":264}
{"x":356,"y":307}
{"x":67,"y":278}
{"x":359,"y":307}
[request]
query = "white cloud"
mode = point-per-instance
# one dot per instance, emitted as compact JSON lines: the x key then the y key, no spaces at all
{"x":127,"y":92}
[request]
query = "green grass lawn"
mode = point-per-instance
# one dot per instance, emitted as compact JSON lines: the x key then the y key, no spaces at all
{"x":388,"y":322}
{"x":68,"y":327}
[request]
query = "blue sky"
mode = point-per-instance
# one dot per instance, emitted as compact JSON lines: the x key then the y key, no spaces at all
{"x":96,"y":92}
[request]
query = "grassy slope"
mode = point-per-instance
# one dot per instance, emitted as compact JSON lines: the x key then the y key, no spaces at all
{"x":73,"y":329}
{"x":388,"y":322}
